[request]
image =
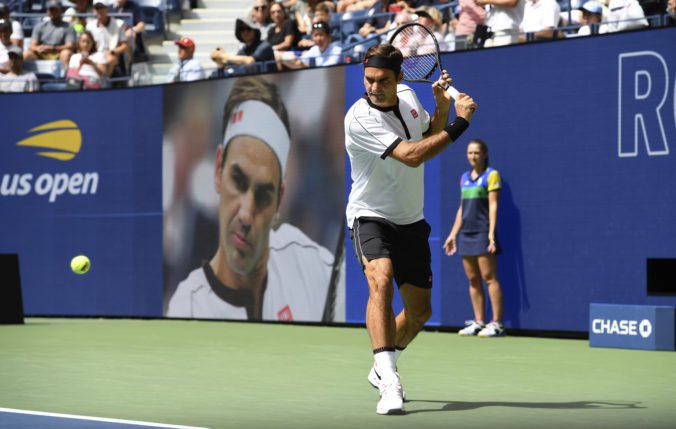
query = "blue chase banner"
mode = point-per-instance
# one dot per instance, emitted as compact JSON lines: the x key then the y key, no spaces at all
{"x":80,"y":173}
{"x":645,"y":327}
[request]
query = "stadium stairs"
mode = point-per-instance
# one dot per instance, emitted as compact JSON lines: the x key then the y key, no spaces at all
{"x":210,"y":25}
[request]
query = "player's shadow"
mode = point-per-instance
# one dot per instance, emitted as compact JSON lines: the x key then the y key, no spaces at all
{"x":574,"y":405}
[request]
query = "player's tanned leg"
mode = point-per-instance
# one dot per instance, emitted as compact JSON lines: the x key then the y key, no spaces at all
{"x":380,"y":321}
{"x":417,"y":310}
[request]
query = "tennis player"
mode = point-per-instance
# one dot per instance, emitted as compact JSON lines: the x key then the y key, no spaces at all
{"x":258,"y":272}
{"x":388,"y":137}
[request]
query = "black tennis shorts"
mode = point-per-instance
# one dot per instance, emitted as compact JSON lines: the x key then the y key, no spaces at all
{"x":406,"y":245}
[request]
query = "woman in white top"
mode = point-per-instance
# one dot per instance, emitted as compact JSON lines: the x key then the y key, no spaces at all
{"x":88,"y":64}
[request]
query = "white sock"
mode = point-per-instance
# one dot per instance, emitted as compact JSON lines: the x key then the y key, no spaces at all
{"x":385,"y":365}
{"x":397,"y":353}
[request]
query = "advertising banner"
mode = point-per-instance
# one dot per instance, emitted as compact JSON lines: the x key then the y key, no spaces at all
{"x":632,"y":326}
{"x":80,"y":173}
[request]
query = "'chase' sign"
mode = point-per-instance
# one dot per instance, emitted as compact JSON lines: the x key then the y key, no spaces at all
{"x":632,"y":326}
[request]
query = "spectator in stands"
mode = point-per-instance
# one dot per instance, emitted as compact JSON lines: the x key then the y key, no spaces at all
{"x":379,"y":24}
{"x":260,"y":15}
{"x":283,"y":35}
{"x":625,"y":15}
{"x":430,"y":17}
{"x":323,"y":53}
{"x":322,"y":12}
{"x":409,"y":5}
{"x":5,"y":43}
{"x":17,"y":31}
{"x":592,"y":14}
{"x":133,"y":28}
{"x":254,"y":50}
{"x":17,"y":79}
{"x":652,"y":8}
{"x":52,"y":39}
{"x":110,"y":38}
{"x":188,"y":68}
{"x":503,"y":17}
{"x":385,"y":32}
{"x":88,"y":63}
{"x":671,"y":11}
{"x":470,"y":15}
{"x":540,"y":18}
{"x":305,"y":16}
{"x":401,"y":18}
{"x":79,"y":23}
{"x":352,"y":5}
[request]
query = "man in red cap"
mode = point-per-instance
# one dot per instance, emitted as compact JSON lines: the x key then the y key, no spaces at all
{"x":188,"y":68}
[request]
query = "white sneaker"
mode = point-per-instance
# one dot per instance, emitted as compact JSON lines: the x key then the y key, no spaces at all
{"x":472,"y":327}
{"x":374,"y":380}
{"x":391,"y":398}
{"x":493,"y":329}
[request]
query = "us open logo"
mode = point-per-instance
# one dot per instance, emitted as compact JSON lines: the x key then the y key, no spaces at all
{"x":60,"y":141}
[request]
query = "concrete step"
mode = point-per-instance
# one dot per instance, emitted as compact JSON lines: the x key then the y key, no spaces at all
{"x":233,"y":13}
{"x":205,"y":45}
{"x":220,"y":24}
{"x":224,"y":4}
{"x":206,"y":34}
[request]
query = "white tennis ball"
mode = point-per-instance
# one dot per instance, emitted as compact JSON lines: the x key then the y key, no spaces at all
{"x":80,"y":264}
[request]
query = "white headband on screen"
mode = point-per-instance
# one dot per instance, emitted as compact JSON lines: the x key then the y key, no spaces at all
{"x":256,"y":119}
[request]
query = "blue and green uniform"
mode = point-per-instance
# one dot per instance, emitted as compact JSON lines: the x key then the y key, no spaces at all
{"x":473,"y":239}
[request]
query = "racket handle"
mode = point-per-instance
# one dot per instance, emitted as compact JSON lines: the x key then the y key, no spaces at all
{"x":454,"y":92}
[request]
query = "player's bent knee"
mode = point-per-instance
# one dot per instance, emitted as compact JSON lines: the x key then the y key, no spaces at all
{"x":420,"y":314}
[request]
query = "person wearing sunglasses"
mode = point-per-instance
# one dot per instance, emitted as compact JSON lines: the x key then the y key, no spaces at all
{"x":323,"y":53}
{"x":260,"y":15}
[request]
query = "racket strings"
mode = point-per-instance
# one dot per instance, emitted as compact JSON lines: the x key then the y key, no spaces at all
{"x":419,"y":51}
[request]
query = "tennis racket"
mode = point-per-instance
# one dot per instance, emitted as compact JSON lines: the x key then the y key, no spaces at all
{"x":421,"y":54}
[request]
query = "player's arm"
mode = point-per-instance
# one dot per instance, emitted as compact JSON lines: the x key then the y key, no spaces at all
{"x":415,"y":153}
{"x":450,"y":245}
{"x":492,"y":218}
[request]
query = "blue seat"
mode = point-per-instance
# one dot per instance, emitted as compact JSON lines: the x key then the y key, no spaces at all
{"x":351,"y":22}
{"x":46,"y":67}
{"x":154,"y":13}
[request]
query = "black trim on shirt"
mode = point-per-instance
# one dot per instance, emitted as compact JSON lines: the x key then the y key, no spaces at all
{"x":394,"y":109}
{"x":236,"y":297}
{"x":390,"y":148}
{"x":397,"y":112}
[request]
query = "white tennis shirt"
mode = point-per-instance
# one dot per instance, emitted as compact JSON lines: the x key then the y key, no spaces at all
{"x":382,"y":186}
{"x":299,"y":271}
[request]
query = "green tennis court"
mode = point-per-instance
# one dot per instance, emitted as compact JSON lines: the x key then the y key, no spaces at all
{"x":239,"y":375}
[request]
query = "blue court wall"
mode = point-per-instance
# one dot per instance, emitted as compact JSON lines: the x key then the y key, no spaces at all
{"x":583,"y":132}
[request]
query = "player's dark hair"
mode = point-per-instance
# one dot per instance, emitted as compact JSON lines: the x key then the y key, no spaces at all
{"x":484,"y":148}
{"x":389,"y":54}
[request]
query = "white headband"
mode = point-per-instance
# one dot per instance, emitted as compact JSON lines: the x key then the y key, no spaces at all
{"x":256,"y":119}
